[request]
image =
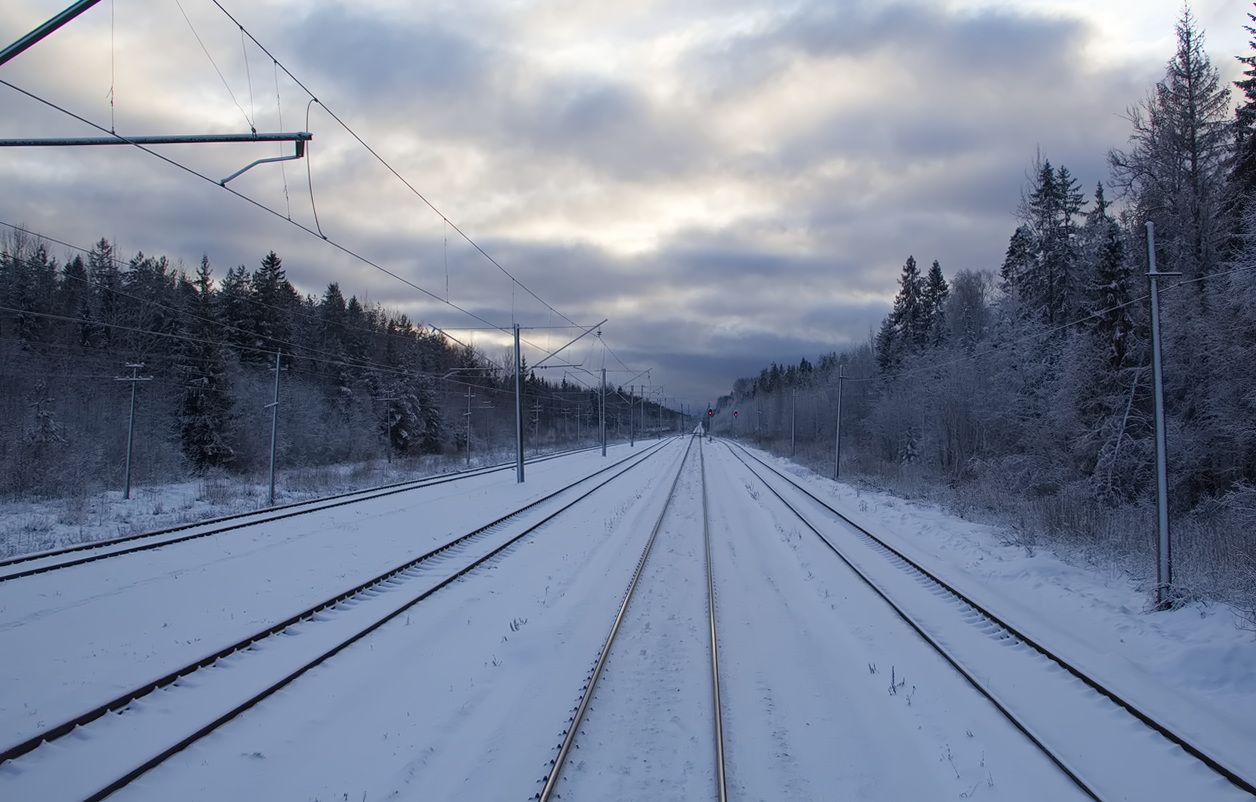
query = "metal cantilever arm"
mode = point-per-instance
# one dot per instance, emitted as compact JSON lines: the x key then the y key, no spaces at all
{"x":298,"y":137}
{"x":300,"y":152}
{"x":182,"y":139}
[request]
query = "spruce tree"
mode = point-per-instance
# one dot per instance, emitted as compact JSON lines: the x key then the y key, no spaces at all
{"x":909,"y":313}
{"x":1041,"y":258}
{"x":272,"y":300}
{"x":1178,"y":158}
{"x":106,"y":281}
{"x":933,"y":297}
{"x":205,"y":402}
{"x":1243,"y":173}
{"x":1111,"y":287}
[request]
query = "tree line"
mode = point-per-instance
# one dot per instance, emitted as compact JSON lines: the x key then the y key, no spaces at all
{"x":357,"y":382}
{"x":1029,"y":390}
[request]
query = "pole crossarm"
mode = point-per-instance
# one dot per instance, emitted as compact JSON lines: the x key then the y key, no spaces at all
{"x":177,"y":139}
{"x":553,"y":354}
{"x":299,"y":137}
{"x":37,"y":35}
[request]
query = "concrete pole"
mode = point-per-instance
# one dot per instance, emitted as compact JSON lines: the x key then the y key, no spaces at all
{"x":793,"y":423}
{"x":1164,"y":565}
{"x":518,"y":409}
{"x":274,"y":429}
{"x":134,"y":379}
{"x":837,"y":440}
{"x":631,"y":439}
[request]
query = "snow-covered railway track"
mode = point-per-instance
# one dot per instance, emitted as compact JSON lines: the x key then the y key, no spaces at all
{"x":25,"y":565}
{"x":1106,"y":744}
{"x":668,"y":656}
{"x":92,"y":755}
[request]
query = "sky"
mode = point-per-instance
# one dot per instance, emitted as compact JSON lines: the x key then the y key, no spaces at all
{"x":728,"y":184}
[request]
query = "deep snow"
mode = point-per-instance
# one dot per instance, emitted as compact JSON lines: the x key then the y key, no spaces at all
{"x":467,"y":696}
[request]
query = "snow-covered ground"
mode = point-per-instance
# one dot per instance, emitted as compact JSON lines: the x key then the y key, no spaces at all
{"x":1196,"y":664}
{"x":467,"y":695}
{"x":30,"y":526}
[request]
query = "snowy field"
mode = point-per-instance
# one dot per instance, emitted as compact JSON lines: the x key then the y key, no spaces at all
{"x":466,"y":696}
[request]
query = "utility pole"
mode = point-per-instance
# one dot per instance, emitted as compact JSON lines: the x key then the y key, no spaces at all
{"x":134,"y":379}
{"x":469,"y":397}
{"x":602,"y":411}
{"x":632,"y":443}
{"x":518,"y":409}
{"x":388,"y":429}
{"x":1164,"y":565}
{"x":793,"y":420}
{"x":274,"y":429}
{"x":837,"y":440}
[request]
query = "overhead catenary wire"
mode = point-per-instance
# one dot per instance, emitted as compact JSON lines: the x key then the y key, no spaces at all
{"x":317,"y":231}
{"x":312,"y":355}
{"x":225,"y":83}
{"x":348,"y":129}
{"x":119,"y":263}
{"x":333,"y":243}
{"x":283,"y":168}
{"x":303,"y":351}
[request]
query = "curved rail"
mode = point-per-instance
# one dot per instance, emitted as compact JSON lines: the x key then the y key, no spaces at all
{"x":170,"y":678}
{"x":991,"y":617}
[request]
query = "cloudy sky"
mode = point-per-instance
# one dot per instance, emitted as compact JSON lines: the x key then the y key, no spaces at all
{"x":730,"y":182}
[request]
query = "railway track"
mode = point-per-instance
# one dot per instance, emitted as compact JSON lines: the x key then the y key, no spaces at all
{"x":25,"y":565}
{"x":1097,"y":702}
{"x":555,"y":772}
{"x":138,"y":742}
{"x":785,"y":681}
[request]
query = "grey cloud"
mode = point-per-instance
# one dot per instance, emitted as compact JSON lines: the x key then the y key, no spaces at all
{"x":364,"y":55}
{"x":933,"y":170}
{"x":919,"y":35}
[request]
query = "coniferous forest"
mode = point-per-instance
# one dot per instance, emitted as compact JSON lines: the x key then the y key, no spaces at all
{"x":1027,"y":393}
{"x":356,"y":382}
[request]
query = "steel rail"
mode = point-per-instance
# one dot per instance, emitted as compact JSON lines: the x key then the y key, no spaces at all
{"x":972,"y":679}
{"x":546,"y":794}
{"x":255,"y":517}
{"x":327,"y":655}
{"x":1212,"y":763}
{"x":721,"y":785}
{"x":121,"y":701}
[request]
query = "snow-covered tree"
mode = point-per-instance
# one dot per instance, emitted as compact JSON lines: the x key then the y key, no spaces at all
{"x":1175,"y":168}
{"x":1041,"y":261}
{"x":1243,"y":172}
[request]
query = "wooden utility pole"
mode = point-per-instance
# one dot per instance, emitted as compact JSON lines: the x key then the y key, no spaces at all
{"x":134,"y":379}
